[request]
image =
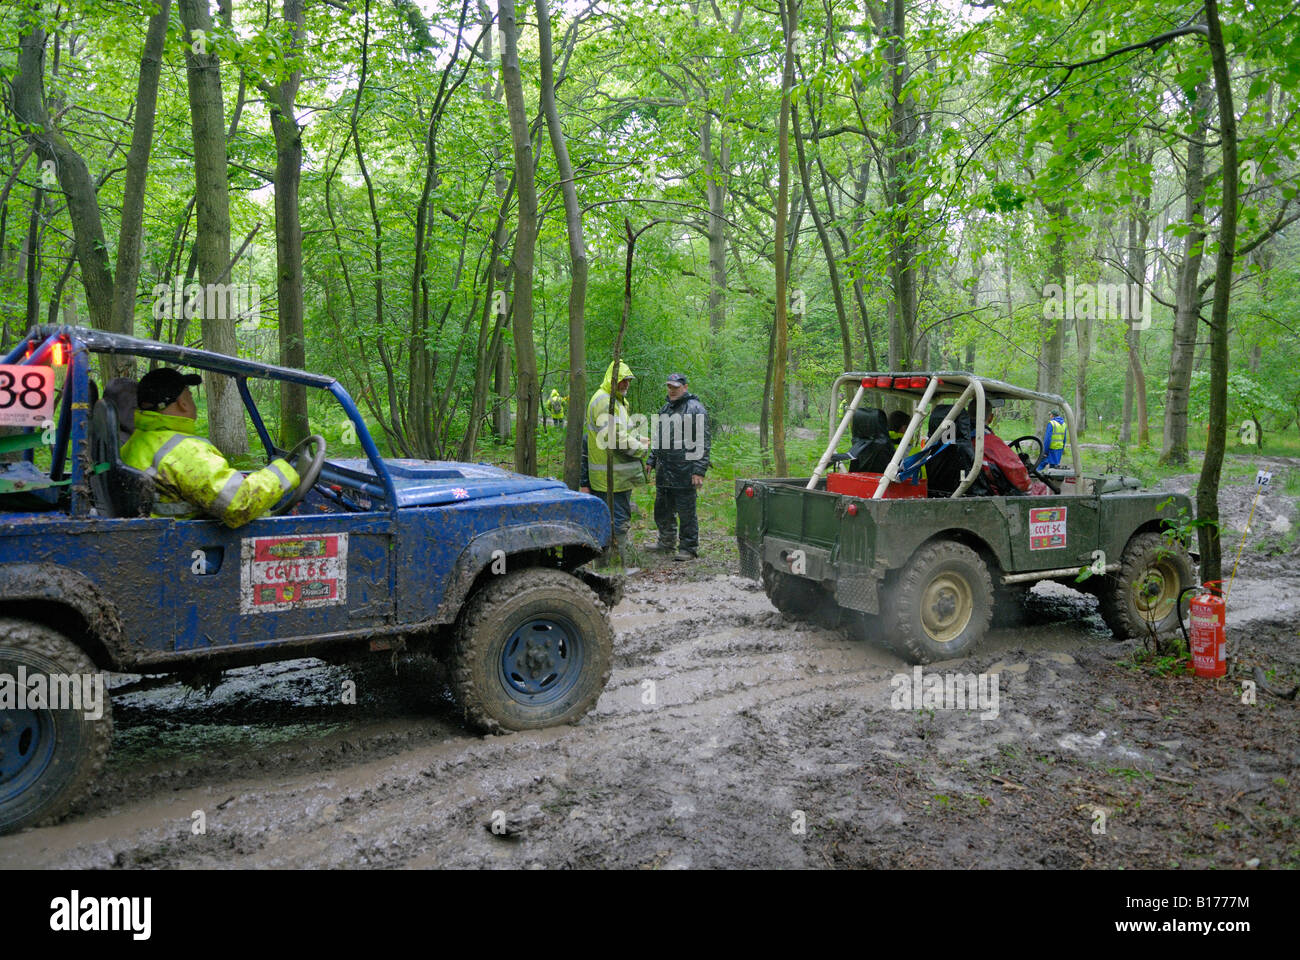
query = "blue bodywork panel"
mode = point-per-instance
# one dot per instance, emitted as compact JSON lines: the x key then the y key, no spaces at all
{"x":379,"y":547}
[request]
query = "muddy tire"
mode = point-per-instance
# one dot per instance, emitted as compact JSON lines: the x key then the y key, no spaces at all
{"x":1143,"y":596}
{"x":874,"y":629}
{"x":48,"y":758}
{"x":941,"y":604}
{"x":533,"y":649}
{"x":795,"y":597}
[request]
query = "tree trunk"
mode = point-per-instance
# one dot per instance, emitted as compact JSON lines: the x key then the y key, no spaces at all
{"x":765,"y":414}
{"x":575,"y":424}
{"x":28,"y":104}
{"x":226,"y":427}
{"x":905,"y":345}
{"x":977,"y":275}
{"x":137,"y":167}
{"x":715,"y":198}
{"x":527,"y":399}
{"x":1137,"y":376}
{"x":1187,"y":296}
{"x":33,"y":260}
{"x":1083,"y":344}
{"x":860,"y":184}
{"x":288,"y":236}
{"x":1049,"y":360}
{"x":789,"y":19}
{"x":1207,"y":490}
{"x":831,"y":266}
{"x":501,"y":388}
{"x":1126,"y":416}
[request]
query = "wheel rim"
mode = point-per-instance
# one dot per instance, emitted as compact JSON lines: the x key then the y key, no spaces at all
{"x":542,"y":660}
{"x":1156,"y":591}
{"x":946,"y":607}
{"x":26,"y":747}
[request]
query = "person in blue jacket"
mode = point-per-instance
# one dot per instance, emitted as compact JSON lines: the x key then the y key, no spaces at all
{"x":1054,"y":440}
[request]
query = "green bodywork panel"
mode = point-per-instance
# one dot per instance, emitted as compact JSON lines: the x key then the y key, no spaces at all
{"x":849,"y":554}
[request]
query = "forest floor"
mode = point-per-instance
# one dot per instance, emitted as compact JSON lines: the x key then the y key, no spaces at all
{"x":1100,"y":755}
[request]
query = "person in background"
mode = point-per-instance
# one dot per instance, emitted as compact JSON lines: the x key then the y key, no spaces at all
{"x":555,"y":405}
{"x":608,"y":440}
{"x":1054,"y":440}
{"x":680,"y":461}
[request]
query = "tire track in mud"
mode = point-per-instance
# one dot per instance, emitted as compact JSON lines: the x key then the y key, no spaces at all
{"x":754,"y":718}
{"x":691,"y":686}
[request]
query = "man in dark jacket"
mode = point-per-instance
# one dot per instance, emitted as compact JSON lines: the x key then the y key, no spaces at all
{"x":680,"y":458}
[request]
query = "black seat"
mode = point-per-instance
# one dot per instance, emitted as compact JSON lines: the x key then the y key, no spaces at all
{"x":120,"y":490}
{"x":120,"y":392}
{"x":872,"y":447}
{"x":944,"y":469}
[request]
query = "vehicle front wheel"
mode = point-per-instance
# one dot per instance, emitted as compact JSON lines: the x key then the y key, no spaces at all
{"x":941,"y":604}
{"x":1142,"y":597}
{"x":48,"y":757}
{"x":534,"y":648}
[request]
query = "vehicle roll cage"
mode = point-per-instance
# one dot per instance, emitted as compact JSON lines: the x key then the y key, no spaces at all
{"x":966,"y":387}
{"x":40,"y":341}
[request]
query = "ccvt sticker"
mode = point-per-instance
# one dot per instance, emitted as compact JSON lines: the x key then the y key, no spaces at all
{"x":1046,"y":528}
{"x":291,"y":573}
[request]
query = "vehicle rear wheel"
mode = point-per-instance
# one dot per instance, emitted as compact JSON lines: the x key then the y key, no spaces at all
{"x":941,"y":604}
{"x":795,"y":597}
{"x":534,"y":648}
{"x":1142,"y":598}
{"x":875,"y":629}
{"x":48,"y":758}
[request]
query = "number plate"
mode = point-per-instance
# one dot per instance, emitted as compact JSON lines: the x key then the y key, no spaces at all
{"x":26,"y":395}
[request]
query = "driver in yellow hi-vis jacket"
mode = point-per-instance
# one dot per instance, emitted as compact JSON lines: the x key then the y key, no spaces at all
{"x":191,"y":475}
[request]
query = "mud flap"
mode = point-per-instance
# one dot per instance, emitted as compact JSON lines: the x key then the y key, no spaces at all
{"x":858,"y":593}
{"x":608,"y":588}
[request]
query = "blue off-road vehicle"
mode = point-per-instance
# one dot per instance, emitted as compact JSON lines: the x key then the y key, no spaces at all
{"x":467,"y":562}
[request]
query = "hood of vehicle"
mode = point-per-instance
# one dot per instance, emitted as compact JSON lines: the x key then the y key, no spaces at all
{"x":427,"y":483}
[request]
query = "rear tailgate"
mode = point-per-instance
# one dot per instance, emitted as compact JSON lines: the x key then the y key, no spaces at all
{"x":782,"y":516}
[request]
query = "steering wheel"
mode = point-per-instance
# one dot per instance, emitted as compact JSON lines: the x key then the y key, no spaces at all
{"x":1031,"y":463}
{"x":307,"y":475}
{"x":1028,"y":438}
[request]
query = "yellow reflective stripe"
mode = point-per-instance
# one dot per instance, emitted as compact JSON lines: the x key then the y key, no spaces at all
{"x":284,"y":481}
{"x":226,"y":497}
{"x":180,"y":509}
{"x":172,"y":442}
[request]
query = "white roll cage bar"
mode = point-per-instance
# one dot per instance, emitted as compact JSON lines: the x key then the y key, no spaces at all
{"x":974,"y":387}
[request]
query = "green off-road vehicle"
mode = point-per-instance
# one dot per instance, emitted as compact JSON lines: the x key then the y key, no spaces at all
{"x":923,"y":537}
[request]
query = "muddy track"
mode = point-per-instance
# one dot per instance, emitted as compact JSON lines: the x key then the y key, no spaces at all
{"x":724,"y":729}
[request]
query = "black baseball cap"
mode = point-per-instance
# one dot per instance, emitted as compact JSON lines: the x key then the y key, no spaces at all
{"x":161,"y":387}
{"x":676,"y":379}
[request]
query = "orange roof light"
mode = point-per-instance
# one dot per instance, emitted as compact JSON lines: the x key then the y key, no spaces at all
{"x":58,"y":353}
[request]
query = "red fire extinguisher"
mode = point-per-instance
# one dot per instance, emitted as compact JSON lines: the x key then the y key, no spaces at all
{"x":1207,"y":639}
